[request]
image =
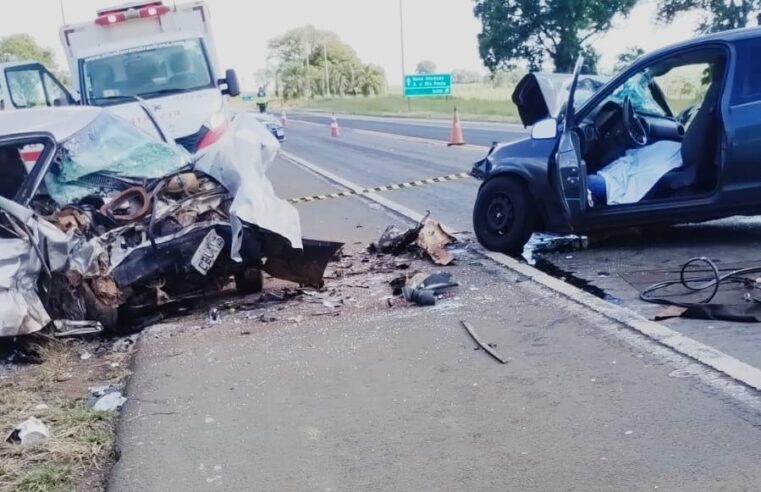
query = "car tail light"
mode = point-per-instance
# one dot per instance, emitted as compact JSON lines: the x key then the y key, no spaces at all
{"x":217,"y":126}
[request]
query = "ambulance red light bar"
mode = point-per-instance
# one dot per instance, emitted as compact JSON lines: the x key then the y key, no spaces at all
{"x":134,"y":11}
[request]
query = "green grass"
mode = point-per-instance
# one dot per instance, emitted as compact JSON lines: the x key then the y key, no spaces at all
{"x":46,"y":478}
{"x":422,"y":107}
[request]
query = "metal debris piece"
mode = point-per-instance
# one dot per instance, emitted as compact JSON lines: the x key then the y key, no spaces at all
{"x":486,"y":347}
{"x":394,"y":241}
{"x":433,"y":239}
{"x":422,"y":290}
{"x":31,"y":431}
{"x":67,"y":328}
{"x":128,"y":206}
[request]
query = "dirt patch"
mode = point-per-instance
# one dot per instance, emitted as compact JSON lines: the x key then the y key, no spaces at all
{"x":80,"y":448}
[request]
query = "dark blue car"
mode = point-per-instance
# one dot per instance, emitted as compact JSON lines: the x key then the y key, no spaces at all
{"x":673,"y":138}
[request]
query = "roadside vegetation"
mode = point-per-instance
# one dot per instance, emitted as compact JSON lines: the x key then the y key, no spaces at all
{"x":80,"y":448}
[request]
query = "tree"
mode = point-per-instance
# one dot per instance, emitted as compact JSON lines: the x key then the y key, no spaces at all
{"x":460,"y":76}
{"x":300,"y":56}
{"x":425,"y":67}
{"x":591,"y":58}
{"x":529,"y":30}
{"x":718,"y":15}
{"x":23,"y":47}
{"x":625,"y":59}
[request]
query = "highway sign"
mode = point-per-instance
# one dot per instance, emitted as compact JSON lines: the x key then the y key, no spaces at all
{"x":437,"y":84}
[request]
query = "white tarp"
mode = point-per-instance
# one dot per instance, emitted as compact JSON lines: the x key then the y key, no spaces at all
{"x":239,"y":161}
{"x":629,"y":178}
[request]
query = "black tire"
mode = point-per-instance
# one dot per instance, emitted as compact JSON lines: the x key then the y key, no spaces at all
{"x":504,"y":215}
{"x":249,"y":281}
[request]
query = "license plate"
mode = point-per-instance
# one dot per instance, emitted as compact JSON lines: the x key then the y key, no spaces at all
{"x":208,"y":252}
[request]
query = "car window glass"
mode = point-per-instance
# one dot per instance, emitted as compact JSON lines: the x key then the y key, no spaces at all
{"x":16,"y":161}
{"x":637,"y":89}
{"x":109,"y":144}
{"x":56,"y":94}
{"x":684,"y":86}
{"x":26,"y":88}
{"x":747,"y":84}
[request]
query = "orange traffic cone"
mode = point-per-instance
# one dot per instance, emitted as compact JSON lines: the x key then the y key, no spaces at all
{"x":455,"y":137}
{"x":335,"y":131}
{"x":283,"y":118}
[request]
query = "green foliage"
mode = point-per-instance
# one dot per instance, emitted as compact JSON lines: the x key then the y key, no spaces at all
{"x":23,"y":47}
{"x":591,"y":59}
{"x":300,"y":56}
{"x":46,"y":478}
{"x":529,"y":30}
{"x":718,"y":15}
{"x":624,"y":59}
{"x":425,"y":67}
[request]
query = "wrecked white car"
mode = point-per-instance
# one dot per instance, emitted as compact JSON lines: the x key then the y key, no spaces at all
{"x":103,"y":223}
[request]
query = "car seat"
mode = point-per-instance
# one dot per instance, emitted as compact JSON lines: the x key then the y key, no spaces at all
{"x":698,"y":172}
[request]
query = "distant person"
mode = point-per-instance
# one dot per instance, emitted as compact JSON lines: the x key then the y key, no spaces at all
{"x":261,"y":100}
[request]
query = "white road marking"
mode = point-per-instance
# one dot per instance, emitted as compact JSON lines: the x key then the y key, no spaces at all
{"x":662,"y":335}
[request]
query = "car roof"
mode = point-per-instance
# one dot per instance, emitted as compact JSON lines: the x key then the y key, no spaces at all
{"x":730,"y":36}
{"x":61,"y":122}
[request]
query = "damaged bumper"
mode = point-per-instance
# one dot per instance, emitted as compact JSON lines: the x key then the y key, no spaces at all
{"x":128,"y":241}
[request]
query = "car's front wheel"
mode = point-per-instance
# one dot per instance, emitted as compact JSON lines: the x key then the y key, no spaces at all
{"x":504,"y":215}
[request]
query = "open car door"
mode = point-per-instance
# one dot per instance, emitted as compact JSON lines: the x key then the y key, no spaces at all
{"x":31,"y":85}
{"x":570,"y":168}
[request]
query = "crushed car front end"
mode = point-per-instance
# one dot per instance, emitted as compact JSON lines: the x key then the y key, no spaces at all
{"x":139,"y":224}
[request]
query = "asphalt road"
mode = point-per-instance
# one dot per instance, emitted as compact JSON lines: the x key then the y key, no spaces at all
{"x":383,"y":398}
{"x":475,"y":133}
{"x":618,"y":267}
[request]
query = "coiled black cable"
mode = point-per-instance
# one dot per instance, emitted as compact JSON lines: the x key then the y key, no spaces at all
{"x":711,"y":283}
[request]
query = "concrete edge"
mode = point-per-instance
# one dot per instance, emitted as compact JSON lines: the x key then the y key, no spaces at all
{"x":681,"y":344}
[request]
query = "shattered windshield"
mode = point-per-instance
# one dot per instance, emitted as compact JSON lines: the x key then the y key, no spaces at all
{"x":109,"y":146}
{"x":637,"y":88}
{"x":153,"y":71}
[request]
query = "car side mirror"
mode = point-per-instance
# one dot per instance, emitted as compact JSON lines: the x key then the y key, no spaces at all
{"x":545,"y":129}
{"x":232,"y":88}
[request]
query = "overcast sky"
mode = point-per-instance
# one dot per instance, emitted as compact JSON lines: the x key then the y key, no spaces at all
{"x":440,"y":30}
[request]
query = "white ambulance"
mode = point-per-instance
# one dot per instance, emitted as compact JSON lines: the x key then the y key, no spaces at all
{"x":148,"y":53}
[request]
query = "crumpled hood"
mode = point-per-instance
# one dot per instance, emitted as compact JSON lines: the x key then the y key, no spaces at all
{"x":543,"y":95}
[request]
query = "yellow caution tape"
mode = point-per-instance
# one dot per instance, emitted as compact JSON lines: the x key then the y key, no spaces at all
{"x":379,"y":189}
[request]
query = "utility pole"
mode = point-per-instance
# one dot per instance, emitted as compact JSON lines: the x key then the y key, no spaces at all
{"x":401,"y":36}
{"x":63,"y":13}
{"x":327,"y":77}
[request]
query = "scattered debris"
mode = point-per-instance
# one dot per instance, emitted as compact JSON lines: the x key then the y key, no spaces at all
{"x":486,"y":347}
{"x":427,"y":237}
{"x":425,"y":292}
{"x":29,"y":432}
{"x":434,"y":240}
{"x":111,"y":402}
{"x":69,"y":328}
{"x":670,"y":313}
{"x":214,"y":317}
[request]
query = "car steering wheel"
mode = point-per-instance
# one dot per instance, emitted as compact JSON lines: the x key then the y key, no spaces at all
{"x":635,"y":129}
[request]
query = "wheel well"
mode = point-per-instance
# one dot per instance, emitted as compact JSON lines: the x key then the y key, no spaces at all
{"x":541,"y":213}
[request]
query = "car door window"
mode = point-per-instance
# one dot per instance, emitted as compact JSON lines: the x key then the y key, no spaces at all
{"x":57,"y":94}
{"x":747,"y":80}
{"x":26,"y":88}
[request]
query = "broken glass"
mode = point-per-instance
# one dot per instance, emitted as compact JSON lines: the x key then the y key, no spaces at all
{"x":109,"y":146}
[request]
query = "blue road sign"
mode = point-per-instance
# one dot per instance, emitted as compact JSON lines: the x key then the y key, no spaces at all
{"x":437,"y":84}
